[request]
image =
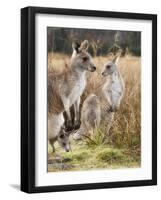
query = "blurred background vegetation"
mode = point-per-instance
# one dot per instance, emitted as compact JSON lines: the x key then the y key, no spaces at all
{"x":59,"y":40}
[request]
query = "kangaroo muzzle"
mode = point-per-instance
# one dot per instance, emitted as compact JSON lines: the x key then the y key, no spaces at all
{"x":104,"y":74}
{"x":92,"y":68}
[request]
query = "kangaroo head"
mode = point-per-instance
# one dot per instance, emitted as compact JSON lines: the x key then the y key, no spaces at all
{"x":92,"y":99}
{"x":63,"y":140}
{"x":111,"y":66}
{"x":81,"y":59}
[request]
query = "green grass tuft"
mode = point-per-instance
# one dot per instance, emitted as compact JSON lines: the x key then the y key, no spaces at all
{"x":109,"y":154}
{"x":75,"y":156}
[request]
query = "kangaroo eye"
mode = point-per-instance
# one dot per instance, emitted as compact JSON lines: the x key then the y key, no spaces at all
{"x":85,"y":59}
{"x":64,"y":144}
{"x":108,"y":66}
{"x":61,"y":136}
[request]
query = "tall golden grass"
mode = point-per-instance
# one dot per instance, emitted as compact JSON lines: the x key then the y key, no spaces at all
{"x":126,"y":127}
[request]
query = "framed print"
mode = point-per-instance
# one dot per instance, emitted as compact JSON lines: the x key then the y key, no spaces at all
{"x":88,"y":99}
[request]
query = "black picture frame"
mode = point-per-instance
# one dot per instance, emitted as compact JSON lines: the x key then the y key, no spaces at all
{"x":28,"y":98}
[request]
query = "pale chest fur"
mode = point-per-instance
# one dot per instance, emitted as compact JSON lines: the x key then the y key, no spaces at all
{"x":113,"y":90}
{"x":77,"y":89}
{"x":114,"y":84}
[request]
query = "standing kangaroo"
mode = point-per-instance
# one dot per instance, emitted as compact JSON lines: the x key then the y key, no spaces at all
{"x":65,"y":89}
{"x":113,"y":89}
{"x":90,"y":116}
{"x":112,"y":92}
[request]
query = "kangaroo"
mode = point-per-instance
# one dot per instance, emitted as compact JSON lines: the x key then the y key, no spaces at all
{"x":90,"y":116}
{"x":111,"y":92}
{"x":63,"y":140}
{"x":65,"y":89}
{"x":113,"y":89}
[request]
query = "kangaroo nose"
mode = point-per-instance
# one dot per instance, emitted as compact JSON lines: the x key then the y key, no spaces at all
{"x":92,"y":68}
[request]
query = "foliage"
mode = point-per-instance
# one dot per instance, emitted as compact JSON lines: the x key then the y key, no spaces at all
{"x":60,"y":39}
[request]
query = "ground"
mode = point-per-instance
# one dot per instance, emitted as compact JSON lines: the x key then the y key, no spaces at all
{"x":84,"y":157}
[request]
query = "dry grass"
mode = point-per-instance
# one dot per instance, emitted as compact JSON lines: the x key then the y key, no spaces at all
{"x":126,"y":127}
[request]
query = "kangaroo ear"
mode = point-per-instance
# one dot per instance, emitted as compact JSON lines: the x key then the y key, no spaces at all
{"x":84,"y":45}
{"x":76,"y":46}
{"x":116,"y":58}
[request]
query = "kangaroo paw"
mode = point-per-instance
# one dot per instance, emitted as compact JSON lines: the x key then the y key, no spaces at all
{"x":77,"y":124}
{"x":69,"y":126}
{"x":113,"y":109}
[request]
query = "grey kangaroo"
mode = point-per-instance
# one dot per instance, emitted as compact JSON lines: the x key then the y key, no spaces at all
{"x":63,"y":139}
{"x":90,"y":116}
{"x":65,"y":89}
{"x":113,"y":89}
